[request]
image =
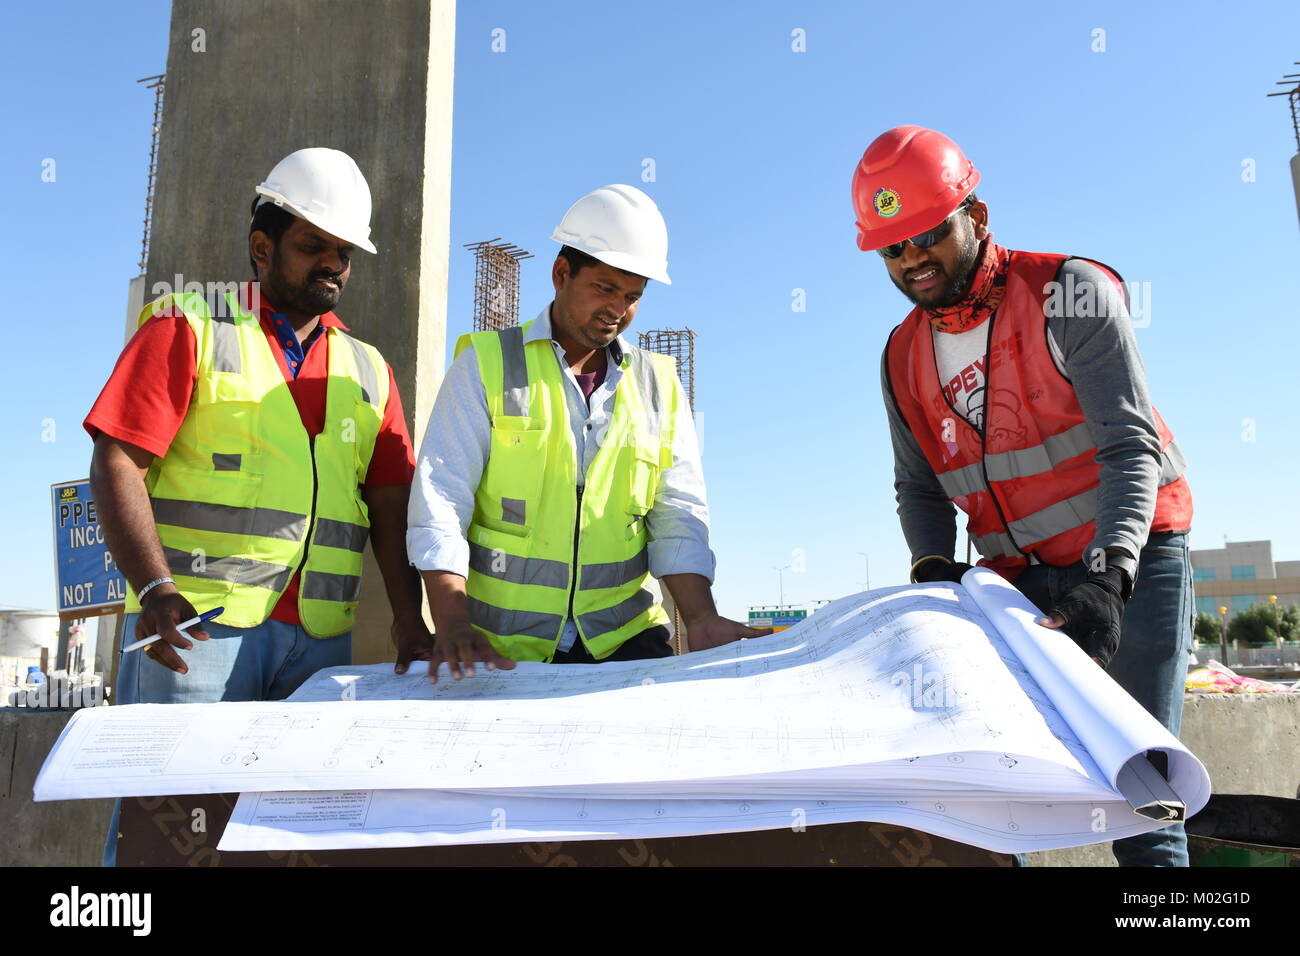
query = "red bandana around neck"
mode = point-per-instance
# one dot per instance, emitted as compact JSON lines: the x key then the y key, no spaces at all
{"x":987,"y":285}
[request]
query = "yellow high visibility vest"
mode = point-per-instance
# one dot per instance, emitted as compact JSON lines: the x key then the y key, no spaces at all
{"x":537,"y":549}
{"x":244,"y":496}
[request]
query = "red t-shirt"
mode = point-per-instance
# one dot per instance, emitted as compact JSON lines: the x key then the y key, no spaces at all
{"x":148,"y":396}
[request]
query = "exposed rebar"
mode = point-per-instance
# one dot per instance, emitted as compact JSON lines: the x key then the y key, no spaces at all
{"x":156,"y":84}
{"x":496,"y":283}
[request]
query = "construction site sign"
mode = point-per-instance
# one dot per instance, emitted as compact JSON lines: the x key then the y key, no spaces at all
{"x":86,"y":575}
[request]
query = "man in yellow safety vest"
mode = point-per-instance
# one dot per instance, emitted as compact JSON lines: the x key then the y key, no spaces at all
{"x":560,"y":471}
{"x":246,"y":449}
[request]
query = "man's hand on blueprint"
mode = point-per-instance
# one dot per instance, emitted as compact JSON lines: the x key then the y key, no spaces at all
{"x":1091,"y":614}
{"x":714,"y":630}
{"x":460,"y":644}
{"x":413,"y":641}
{"x":705,"y":627}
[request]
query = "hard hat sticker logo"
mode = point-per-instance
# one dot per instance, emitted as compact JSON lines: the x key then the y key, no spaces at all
{"x":886,"y":202}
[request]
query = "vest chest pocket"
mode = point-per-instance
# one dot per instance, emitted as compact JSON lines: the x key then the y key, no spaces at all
{"x":643,"y":478}
{"x":227,"y":424}
{"x":509,"y":493}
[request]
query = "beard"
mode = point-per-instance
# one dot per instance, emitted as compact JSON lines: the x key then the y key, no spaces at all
{"x":309,"y":297}
{"x":588,"y":333}
{"x":954,"y":290}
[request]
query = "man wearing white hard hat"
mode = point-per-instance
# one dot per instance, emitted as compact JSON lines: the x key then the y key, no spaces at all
{"x":560,"y":471}
{"x":246,"y":449}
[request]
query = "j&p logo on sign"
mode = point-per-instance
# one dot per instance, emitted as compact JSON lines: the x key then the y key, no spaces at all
{"x":886,"y":202}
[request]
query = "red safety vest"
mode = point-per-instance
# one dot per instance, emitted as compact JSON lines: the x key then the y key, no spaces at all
{"x":1029,"y":483}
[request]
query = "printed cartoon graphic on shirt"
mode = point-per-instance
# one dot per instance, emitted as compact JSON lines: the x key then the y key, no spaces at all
{"x":1011,"y":430}
{"x":963,"y":363}
{"x":965,"y":392}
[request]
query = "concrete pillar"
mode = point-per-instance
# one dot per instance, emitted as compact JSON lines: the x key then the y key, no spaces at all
{"x":134,"y":305}
{"x":249,"y":81}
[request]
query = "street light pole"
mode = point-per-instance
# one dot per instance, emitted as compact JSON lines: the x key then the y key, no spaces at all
{"x":866,"y":561}
{"x":1272,"y":599}
{"x":780,"y":577}
{"x":1223,"y":634}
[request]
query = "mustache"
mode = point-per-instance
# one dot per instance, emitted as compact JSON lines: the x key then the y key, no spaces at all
{"x":326,"y":274}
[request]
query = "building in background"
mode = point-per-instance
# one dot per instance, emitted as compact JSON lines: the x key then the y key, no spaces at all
{"x":1242,"y":574}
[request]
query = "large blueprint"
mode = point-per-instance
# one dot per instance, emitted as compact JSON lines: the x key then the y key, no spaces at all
{"x":937,"y":706}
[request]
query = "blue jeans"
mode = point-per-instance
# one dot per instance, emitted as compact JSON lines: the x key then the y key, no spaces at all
{"x":267,"y":662}
{"x":1151,"y":664}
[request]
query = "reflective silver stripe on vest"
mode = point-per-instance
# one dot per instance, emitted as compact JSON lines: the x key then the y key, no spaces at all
{"x":614,"y":573}
{"x":514,"y":374}
{"x":366,"y":375}
{"x":1054,"y":449}
{"x":612,"y":618}
{"x":340,"y":534}
{"x":966,"y":480}
{"x":514,"y":510}
{"x":229,"y":519}
{"x":646,"y":374}
{"x":510,"y":567}
{"x":225,"y":337}
{"x":1056,"y":519}
{"x":218,"y":308}
{"x":509,"y":623}
{"x":222,"y":462}
{"x":246,"y":571}
{"x":996,"y":545}
{"x":1172,"y":464}
{"x":326,"y":586}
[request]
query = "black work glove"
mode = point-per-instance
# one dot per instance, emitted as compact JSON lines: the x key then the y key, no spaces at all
{"x":1092,"y":613}
{"x":937,"y":570}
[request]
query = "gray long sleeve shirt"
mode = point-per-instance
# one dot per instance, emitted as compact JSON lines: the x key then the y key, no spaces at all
{"x":1097,"y":351}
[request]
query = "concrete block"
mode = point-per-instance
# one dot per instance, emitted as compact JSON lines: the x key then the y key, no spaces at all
{"x":1250,"y":743}
{"x":58,"y":833}
{"x":1247,"y":742}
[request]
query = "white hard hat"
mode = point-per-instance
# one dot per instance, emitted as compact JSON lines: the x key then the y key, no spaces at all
{"x":325,"y":187}
{"x":621,"y":226}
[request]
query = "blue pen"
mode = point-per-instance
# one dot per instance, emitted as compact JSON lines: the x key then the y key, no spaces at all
{"x":201,"y":619}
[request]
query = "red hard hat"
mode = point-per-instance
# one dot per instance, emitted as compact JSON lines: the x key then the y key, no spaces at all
{"x":909,"y":180}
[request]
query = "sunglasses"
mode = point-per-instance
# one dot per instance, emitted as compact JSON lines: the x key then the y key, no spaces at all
{"x":924,"y":241}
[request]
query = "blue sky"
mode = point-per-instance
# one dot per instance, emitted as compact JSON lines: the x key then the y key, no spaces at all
{"x":1133,"y":156}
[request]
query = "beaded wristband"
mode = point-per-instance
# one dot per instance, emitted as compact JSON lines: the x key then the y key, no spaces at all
{"x":150,"y":586}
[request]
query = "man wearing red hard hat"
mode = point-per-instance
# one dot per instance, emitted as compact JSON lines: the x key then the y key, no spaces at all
{"x":1015,"y":391}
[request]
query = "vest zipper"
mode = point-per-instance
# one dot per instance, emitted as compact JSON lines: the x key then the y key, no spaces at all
{"x":984,"y":434}
{"x":573,"y":577}
{"x":311,"y":520}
